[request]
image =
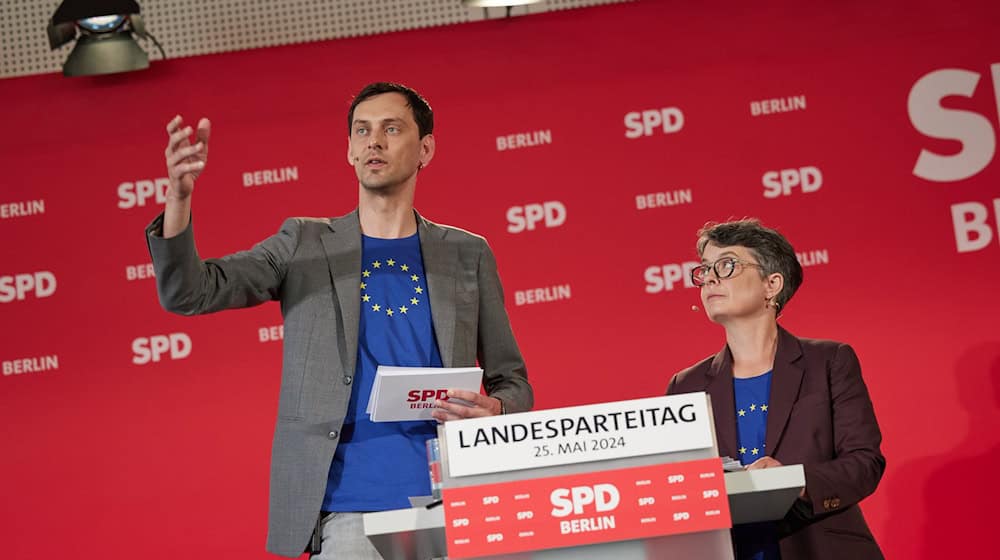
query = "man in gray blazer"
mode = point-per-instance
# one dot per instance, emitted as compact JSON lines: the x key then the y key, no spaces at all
{"x":323,"y":467}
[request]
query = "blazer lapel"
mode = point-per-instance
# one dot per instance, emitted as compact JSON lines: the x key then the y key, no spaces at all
{"x":342,"y":244}
{"x":440,"y":261}
{"x":786,"y":380}
{"x":720,"y":388}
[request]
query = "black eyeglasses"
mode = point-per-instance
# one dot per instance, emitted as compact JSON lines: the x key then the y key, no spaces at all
{"x":723,"y":268}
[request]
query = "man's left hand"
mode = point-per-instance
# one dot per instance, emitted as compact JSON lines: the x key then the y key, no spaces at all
{"x":480,"y":405}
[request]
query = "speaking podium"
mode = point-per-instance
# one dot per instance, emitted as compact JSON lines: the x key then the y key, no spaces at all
{"x":630,"y":480}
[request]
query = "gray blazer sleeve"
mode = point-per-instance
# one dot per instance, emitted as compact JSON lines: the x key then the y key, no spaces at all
{"x":504,"y":374}
{"x":189,"y":286}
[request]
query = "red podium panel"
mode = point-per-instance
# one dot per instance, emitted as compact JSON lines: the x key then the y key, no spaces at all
{"x":582,"y":509}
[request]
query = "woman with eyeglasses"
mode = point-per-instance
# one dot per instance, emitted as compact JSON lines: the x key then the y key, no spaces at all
{"x":780,"y":400}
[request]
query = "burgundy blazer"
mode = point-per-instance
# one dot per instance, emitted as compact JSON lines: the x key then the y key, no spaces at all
{"x":819,"y":416}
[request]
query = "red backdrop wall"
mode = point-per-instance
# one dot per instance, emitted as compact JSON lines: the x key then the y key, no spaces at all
{"x":107,"y":451}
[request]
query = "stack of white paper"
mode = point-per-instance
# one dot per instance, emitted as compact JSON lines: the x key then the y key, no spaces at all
{"x":408,"y":393}
{"x":730,"y":465}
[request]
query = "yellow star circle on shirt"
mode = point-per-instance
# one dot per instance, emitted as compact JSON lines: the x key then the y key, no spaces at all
{"x":377,"y":307}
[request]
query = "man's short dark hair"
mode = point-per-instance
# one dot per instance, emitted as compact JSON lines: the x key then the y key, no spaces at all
{"x":773,"y":252}
{"x":422,"y":112}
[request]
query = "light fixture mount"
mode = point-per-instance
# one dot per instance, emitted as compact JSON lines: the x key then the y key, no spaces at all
{"x":104,"y":32}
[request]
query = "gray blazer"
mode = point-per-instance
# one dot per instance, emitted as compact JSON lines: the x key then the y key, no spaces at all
{"x":313,"y":267}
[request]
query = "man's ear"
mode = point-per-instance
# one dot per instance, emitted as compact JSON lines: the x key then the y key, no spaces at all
{"x":427,"y":147}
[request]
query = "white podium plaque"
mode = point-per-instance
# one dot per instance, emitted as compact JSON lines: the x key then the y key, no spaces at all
{"x":578,"y":434}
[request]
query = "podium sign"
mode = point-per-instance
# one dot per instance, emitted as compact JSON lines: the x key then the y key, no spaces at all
{"x":617,"y":503}
{"x":582,"y":509}
{"x":578,"y":434}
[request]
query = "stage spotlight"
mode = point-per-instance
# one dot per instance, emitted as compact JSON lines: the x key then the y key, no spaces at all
{"x":105,"y":34}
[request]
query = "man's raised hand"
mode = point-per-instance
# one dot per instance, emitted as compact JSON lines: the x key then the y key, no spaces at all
{"x":185,"y":161}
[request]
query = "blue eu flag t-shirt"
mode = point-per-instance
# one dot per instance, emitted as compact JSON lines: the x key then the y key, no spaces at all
{"x":377,"y":466}
{"x":754,"y":541}
{"x":752,"y":397}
